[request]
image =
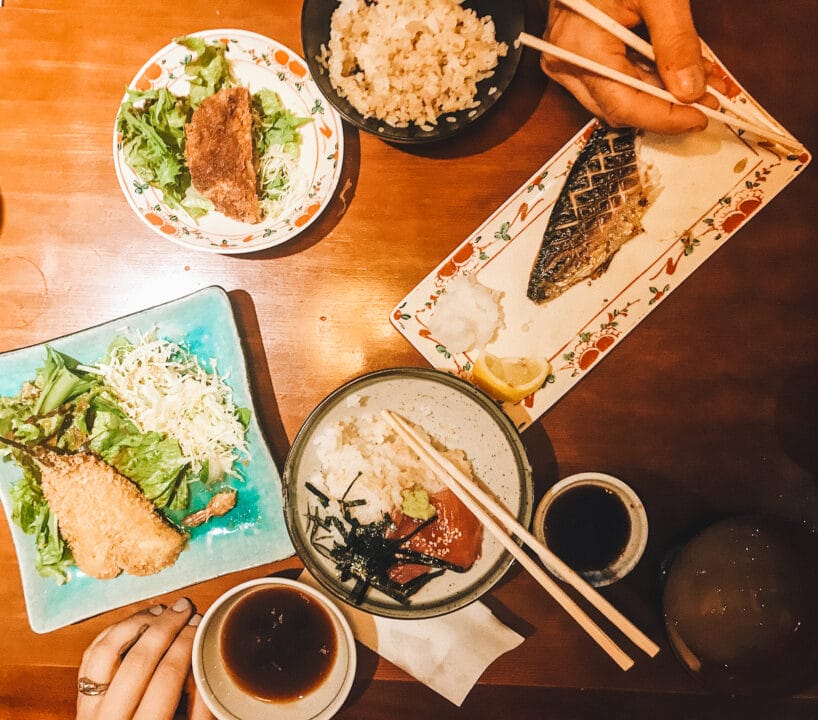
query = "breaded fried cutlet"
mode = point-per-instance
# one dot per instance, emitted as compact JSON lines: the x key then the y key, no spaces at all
{"x":107,"y":522}
{"x":219,"y":153}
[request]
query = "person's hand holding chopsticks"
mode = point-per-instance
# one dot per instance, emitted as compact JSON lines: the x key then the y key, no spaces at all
{"x":680,"y":67}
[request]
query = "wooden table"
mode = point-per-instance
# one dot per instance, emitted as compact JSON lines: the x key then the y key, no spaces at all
{"x":709,"y":407}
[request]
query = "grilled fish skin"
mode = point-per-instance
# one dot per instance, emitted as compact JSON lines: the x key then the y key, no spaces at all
{"x":598,"y":210}
{"x":105,"y":518}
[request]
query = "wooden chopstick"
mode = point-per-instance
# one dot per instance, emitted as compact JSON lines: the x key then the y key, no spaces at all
{"x":632,"y":40}
{"x":511,"y":524}
{"x":454,"y":479}
{"x":604,"y":71}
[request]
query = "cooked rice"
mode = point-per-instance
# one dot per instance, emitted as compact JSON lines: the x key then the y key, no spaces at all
{"x":366,"y":448}
{"x":404,"y":61}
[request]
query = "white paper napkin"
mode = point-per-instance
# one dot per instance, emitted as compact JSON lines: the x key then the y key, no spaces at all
{"x":448,"y":653}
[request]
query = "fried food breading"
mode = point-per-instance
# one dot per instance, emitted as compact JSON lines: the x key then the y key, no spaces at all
{"x":219,"y":153}
{"x":105,"y":518}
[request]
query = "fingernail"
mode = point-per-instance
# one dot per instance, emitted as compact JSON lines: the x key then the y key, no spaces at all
{"x":195,"y":620}
{"x":689,"y":82}
{"x":156,"y":609}
{"x":181,"y":604}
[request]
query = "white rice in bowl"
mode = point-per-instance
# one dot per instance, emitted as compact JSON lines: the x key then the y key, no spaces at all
{"x":404,"y":61}
{"x":364,"y":456}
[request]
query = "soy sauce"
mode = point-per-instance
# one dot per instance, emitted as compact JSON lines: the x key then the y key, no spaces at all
{"x":278,"y":644}
{"x":587,"y":527}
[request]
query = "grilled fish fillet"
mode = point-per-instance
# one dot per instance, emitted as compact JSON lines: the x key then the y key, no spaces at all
{"x":107,"y":522}
{"x":219,"y":153}
{"x":599,"y":209}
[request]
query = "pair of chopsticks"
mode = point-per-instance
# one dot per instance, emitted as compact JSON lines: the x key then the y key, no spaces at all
{"x":494,"y":518}
{"x":741,"y":119}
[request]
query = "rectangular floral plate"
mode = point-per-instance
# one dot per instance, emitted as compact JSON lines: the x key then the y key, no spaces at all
{"x":711,"y":183}
{"x":251,"y":534}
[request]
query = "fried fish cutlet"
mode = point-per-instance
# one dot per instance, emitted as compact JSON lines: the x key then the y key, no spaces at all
{"x":107,"y":522}
{"x":219,"y":153}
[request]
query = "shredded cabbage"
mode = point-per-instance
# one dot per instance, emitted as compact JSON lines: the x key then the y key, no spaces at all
{"x":162,"y":388}
{"x":277,"y":141}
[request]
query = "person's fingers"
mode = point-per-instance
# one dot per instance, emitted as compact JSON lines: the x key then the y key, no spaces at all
{"x":677,"y":46}
{"x":714,"y":76}
{"x":709,"y":101}
{"x":162,"y":695}
{"x":623,"y":106}
{"x":616,"y":104}
{"x":572,"y":32}
{"x":573,"y":84}
{"x":102,"y":657}
{"x":137,"y":668}
{"x":619,"y":105}
{"x":196,"y":707}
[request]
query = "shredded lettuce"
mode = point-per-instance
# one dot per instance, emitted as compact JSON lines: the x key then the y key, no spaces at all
{"x":275,"y":124}
{"x":162,"y":387}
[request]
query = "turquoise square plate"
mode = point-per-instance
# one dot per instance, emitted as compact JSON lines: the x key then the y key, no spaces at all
{"x":252,"y":534}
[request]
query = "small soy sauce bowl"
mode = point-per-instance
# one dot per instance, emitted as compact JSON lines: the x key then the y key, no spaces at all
{"x":223,"y":684}
{"x":595,"y":524}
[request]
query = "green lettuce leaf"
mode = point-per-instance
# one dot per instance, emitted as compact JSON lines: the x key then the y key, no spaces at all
{"x":31,"y":513}
{"x":58,"y":381}
{"x":151,"y":460}
{"x":152,"y":126}
{"x":274,"y":124}
{"x":45,"y":406}
{"x":209,"y":71}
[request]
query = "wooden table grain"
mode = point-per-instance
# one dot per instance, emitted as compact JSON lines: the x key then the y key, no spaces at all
{"x":708,"y":408}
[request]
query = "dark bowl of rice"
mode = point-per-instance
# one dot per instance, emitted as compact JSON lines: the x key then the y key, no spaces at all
{"x":412,"y":71}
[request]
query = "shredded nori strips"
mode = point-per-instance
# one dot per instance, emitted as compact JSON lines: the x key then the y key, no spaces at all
{"x":367,"y":553}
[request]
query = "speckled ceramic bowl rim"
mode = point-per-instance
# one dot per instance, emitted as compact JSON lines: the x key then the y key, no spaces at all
{"x":504,"y":424}
{"x":636,"y":511}
{"x":266,"y":709}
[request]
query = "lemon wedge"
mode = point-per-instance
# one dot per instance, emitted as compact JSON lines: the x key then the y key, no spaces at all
{"x":510,"y":378}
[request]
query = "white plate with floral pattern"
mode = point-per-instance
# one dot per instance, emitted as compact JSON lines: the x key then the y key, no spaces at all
{"x":258,"y":62}
{"x":711,"y":184}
